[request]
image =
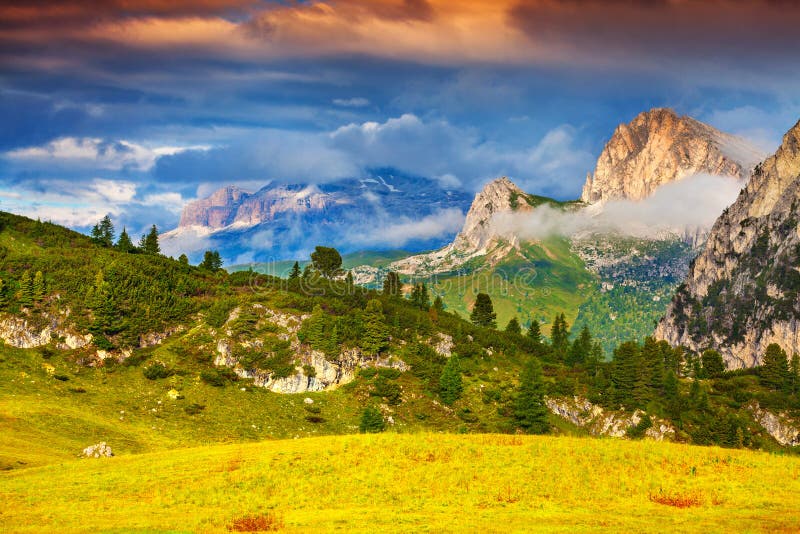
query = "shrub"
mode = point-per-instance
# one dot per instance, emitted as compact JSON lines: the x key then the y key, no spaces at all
{"x":391,"y":391}
{"x":257,"y":523}
{"x":368,"y":372}
{"x":194,"y":408}
{"x":212,"y":377}
{"x":389,"y":373}
{"x":371,"y":421}
{"x":638,"y":431}
{"x":155,"y":371}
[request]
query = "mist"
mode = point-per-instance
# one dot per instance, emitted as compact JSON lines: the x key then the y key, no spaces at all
{"x":685,"y":206}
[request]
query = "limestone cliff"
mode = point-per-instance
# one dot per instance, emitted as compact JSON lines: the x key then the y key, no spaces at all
{"x":658,"y":147}
{"x":743,"y":290}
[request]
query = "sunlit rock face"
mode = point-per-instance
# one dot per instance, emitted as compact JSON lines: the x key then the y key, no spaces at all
{"x":658,"y":147}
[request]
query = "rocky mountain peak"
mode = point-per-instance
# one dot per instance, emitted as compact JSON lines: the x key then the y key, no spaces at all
{"x":743,"y":290}
{"x":658,"y":147}
{"x":499,"y":195}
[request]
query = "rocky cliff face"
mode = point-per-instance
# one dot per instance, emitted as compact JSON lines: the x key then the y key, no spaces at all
{"x":658,"y":147}
{"x":743,"y":290}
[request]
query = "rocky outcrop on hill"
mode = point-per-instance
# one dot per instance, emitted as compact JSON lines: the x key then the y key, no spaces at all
{"x":25,"y":333}
{"x":781,"y":427}
{"x":599,"y":422}
{"x":98,"y":450}
{"x":313,"y":371}
{"x":743,"y":290}
{"x":658,"y":147}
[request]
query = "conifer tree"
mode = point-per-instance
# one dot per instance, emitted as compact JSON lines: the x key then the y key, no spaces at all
{"x":535,"y":332}
{"x":774,"y":371}
{"x":513,"y":326}
{"x":371,"y":421}
{"x":26,"y":290}
{"x":483,"y":312}
{"x":149,"y":243}
{"x":376,"y":332}
{"x":624,"y":374}
{"x":419,"y":296}
{"x":327,"y":261}
{"x":794,"y":372}
{"x":294,"y":274}
{"x":3,"y":293}
{"x":211,"y":261}
{"x":349,"y":284}
{"x":672,"y":400}
{"x":39,"y":288}
{"x":530,"y":410}
{"x":183,"y":259}
{"x":559,"y":336}
{"x":713,"y":364}
{"x":106,"y":232}
{"x":438,"y":304}
{"x":124,"y":243}
{"x":391,"y":284}
{"x":450,"y":385}
{"x":580,"y":348}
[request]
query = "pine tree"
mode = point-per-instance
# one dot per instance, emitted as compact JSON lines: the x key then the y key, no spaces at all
{"x":183,"y":259}
{"x":371,"y":421}
{"x":794,"y":372}
{"x":391,"y":284}
{"x":124,"y":244}
{"x":624,"y":373}
{"x":106,"y":232}
{"x":450,"y":385}
{"x":513,"y":326}
{"x":672,"y":400}
{"x":149,"y":243}
{"x":713,"y":364}
{"x":211,"y":261}
{"x":559,"y":336}
{"x":3,"y":293}
{"x":103,"y":309}
{"x":327,"y":261}
{"x":530,"y":410}
{"x":579,"y":351}
{"x":774,"y":370}
{"x":97,"y":235}
{"x":376,"y":332}
{"x":535,"y":332}
{"x":483,"y":312}
{"x":349,"y":284}
{"x":39,"y":288}
{"x":419,"y":296}
{"x":26,"y":290}
{"x":294,"y":274}
{"x":438,"y":304}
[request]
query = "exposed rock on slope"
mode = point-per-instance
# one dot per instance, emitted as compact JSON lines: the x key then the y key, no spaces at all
{"x":598,"y":422}
{"x":743,"y":291}
{"x":658,"y":147}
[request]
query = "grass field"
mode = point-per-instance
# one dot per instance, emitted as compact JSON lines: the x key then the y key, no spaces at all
{"x":422,"y":482}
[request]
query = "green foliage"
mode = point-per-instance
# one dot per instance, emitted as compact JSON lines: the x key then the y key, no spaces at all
{"x":376,"y":333}
{"x":774,"y":370}
{"x":391,"y":284}
{"x":450,"y":384}
{"x":713,"y":364}
{"x":530,"y":411}
{"x":39,"y":288}
{"x":638,"y":430}
{"x":321,"y":332}
{"x":124,"y":244}
{"x":327,"y":261}
{"x":371,"y":421}
{"x":103,"y":233}
{"x":419,"y":296}
{"x":559,"y":337}
{"x":149,"y":243}
{"x":211,"y":261}
{"x":483,"y":312}
{"x":535,"y":332}
{"x":294,"y":274}
{"x":155,"y":371}
{"x":219,"y":311}
{"x":513,"y":327}
{"x":26,"y":290}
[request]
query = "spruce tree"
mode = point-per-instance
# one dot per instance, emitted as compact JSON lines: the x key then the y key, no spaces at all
{"x":183,"y":259}
{"x":391,"y":284}
{"x":579,"y":351}
{"x":438,"y":304}
{"x":624,"y":373}
{"x":124,"y":244}
{"x":26,"y":290}
{"x":774,"y":370}
{"x":211,"y":261}
{"x":149,"y":243}
{"x":419,"y":296}
{"x":713,"y":364}
{"x":39,"y":288}
{"x":513,"y":326}
{"x":371,"y":421}
{"x":559,"y":336}
{"x":376,"y":332}
{"x":535,"y":332}
{"x":530,"y":411}
{"x":483,"y":312}
{"x":450,"y":385}
{"x":294,"y":274}
{"x":106,"y":232}
{"x":97,"y":235}
{"x":672,"y":400}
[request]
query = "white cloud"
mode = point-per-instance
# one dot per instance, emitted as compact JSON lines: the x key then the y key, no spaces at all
{"x":397,"y":233}
{"x":680,"y":207}
{"x":96,"y":153}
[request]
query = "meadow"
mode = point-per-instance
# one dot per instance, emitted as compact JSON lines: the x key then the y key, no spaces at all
{"x":412,"y":482}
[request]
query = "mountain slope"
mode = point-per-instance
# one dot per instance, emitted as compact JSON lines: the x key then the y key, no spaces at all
{"x":281,"y":222}
{"x":743,"y":291}
{"x":658,"y":147}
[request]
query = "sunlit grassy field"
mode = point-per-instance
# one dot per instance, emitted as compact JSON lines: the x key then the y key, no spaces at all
{"x":422,"y":482}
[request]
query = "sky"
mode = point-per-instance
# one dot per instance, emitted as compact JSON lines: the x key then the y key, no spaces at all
{"x":134,"y":108}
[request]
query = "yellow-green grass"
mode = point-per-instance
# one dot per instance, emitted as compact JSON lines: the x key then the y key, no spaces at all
{"x":404,"y":483}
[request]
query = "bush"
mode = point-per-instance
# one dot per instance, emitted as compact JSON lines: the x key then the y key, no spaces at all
{"x":391,"y":391}
{"x":218,"y":377}
{"x":155,"y":371}
{"x":371,"y":421}
{"x":368,"y":372}
{"x":194,"y":408}
{"x":638,"y":431}
{"x":102,"y":342}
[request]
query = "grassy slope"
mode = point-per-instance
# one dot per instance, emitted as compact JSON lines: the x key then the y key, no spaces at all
{"x":423,"y":482}
{"x":546,"y":279}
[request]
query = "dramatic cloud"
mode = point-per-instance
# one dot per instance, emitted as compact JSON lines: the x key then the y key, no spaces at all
{"x":682,"y":207}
